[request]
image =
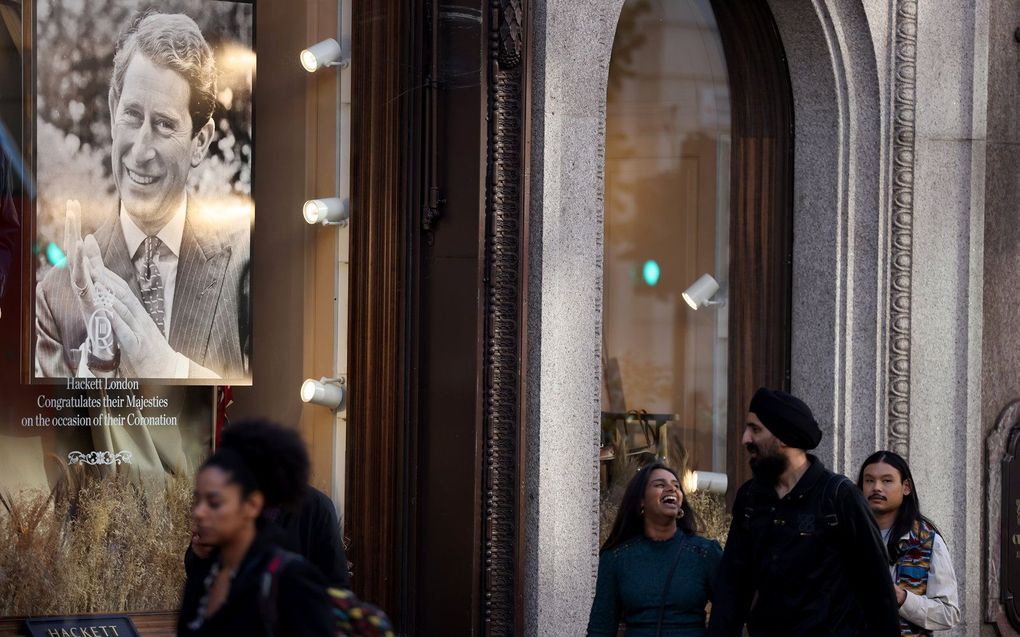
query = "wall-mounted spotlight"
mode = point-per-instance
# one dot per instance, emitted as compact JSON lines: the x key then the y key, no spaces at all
{"x":325,"y":53}
{"x":702,"y":292}
{"x":329,"y":212}
{"x":710,"y":481}
{"x":328,"y":392}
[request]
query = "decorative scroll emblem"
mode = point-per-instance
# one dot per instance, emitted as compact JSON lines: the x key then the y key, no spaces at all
{"x":99,"y":457}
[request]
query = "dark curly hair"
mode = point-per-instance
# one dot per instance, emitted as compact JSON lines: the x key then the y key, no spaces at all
{"x":629,"y":523}
{"x":263,"y":456}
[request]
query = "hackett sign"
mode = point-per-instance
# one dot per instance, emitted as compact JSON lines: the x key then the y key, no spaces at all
{"x":94,"y":626}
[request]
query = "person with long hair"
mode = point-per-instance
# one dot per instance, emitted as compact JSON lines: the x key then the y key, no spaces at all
{"x":250,"y":586}
{"x":655,"y":573}
{"x":921,"y":568}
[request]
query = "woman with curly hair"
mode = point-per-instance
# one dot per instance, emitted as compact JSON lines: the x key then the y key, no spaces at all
{"x":655,"y":572}
{"x":250,"y":586}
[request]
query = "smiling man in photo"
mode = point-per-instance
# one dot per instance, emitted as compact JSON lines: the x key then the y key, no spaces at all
{"x":163,"y":274}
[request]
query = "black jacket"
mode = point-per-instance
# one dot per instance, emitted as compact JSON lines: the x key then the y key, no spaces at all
{"x":302,"y":607}
{"x":811,"y":564}
{"x":314,"y":532}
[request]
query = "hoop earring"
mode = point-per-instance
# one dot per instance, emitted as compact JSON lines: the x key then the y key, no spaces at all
{"x":642,"y":512}
{"x":681,"y":515}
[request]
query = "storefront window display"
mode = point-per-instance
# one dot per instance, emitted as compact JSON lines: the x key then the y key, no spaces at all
{"x":666,"y":225}
{"x":125,"y":237}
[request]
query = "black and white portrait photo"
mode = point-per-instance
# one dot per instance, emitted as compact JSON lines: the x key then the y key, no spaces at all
{"x":144,"y":211}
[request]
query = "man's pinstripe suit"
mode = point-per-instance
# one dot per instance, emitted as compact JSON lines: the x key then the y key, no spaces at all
{"x":204,"y":326}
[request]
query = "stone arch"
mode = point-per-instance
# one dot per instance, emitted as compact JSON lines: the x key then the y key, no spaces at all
{"x":840,"y":223}
{"x":839,"y":305}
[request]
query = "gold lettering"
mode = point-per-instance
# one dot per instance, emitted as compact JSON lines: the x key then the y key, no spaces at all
{"x":52,"y":632}
{"x":64,"y":633}
{"x":75,"y":631}
{"x":105,"y":634}
{"x":114,"y":629}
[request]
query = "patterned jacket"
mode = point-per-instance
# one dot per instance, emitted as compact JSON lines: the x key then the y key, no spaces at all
{"x":924,"y":570}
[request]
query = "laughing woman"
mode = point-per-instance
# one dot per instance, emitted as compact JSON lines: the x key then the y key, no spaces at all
{"x":655,"y":572}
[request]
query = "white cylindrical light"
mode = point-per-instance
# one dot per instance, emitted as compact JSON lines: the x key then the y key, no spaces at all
{"x":711,"y":481}
{"x":330,"y":210}
{"x":701,"y":291}
{"x":320,"y":54}
{"x":319,"y":392}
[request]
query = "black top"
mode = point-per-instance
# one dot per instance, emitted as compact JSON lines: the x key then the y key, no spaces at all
{"x":811,"y":564}
{"x":632,"y":579}
{"x":313,"y":532}
{"x":302,"y":607}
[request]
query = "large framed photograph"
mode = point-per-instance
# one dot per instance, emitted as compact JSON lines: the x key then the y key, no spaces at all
{"x":142,"y":225}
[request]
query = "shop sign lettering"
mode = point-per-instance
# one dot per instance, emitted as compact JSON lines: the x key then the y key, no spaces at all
{"x":94,"y":626}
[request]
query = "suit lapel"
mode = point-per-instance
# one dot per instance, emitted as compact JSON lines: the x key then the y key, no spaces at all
{"x":200,"y":272}
{"x":113,"y":247}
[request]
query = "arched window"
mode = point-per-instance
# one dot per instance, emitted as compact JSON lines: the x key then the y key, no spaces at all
{"x":690,"y":170}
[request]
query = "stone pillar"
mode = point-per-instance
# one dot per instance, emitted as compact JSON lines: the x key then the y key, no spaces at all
{"x":572,"y":42}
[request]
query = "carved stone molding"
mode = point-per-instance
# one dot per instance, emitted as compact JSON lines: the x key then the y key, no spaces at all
{"x":503,"y":294}
{"x":995,"y":448}
{"x":901,"y":235}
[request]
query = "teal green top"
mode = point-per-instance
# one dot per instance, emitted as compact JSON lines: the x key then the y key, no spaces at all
{"x":632,"y":576}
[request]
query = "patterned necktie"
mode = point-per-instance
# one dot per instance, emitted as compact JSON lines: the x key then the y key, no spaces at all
{"x":151,"y":283}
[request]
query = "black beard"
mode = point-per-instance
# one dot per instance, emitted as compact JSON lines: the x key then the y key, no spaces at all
{"x":770,"y":467}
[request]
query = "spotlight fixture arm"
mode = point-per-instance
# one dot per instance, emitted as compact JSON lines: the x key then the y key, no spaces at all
{"x":330,"y":211}
{"x":703,"y":293}
{"x":328,"y":392}
{"x":322,"y":54}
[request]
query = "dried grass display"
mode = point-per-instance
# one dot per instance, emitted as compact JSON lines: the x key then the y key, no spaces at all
{"x":94,"y":545}
{"x":709,"y":507}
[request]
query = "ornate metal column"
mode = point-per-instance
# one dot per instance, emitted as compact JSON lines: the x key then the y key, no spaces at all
{"x":504,"y":292}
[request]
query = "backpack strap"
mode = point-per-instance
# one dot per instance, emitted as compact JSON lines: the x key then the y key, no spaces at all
{"x":827,"y":503}
{"x":269,"y":586}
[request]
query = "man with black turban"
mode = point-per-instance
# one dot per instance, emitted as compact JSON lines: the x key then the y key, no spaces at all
{"x":804,"y":556}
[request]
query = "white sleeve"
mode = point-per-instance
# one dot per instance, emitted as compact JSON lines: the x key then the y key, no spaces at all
{"x":939,"y":607}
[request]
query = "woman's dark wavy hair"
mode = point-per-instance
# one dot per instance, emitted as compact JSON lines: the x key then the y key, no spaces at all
{"x":263,"y":456}
{"x":629,"y":523}
{"x":910,"y":511}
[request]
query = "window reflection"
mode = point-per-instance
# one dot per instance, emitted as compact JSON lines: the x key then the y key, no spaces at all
{"x":666,"y":224}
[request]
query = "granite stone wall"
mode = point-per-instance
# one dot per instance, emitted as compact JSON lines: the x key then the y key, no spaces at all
{"x":906,"y":256}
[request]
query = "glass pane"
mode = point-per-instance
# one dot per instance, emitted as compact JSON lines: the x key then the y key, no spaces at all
{"x":666,"y":224}
{"x":96,"y":466}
